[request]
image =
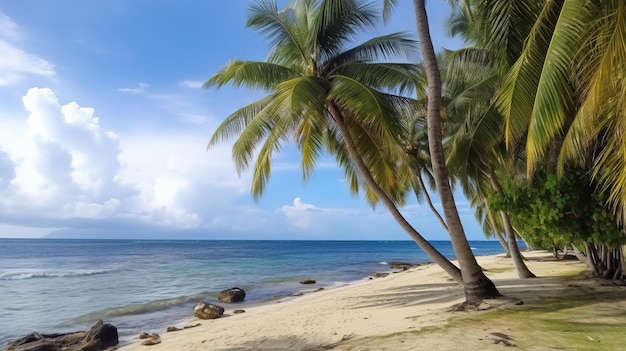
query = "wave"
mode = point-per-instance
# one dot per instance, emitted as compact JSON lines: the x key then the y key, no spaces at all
{"x":52,"y":274}
{"x":136,"y":309}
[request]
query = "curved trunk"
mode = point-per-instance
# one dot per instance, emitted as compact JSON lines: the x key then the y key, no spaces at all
{"x":477,"y":285}
{"x":435,"y":255}
{"x":496,"y":231}
{"x":503,"y":243}
{"x":418,"y":177}
{"x":518,"y":260}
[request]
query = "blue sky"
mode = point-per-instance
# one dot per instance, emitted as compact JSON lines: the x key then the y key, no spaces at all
{"x":104,"y":126}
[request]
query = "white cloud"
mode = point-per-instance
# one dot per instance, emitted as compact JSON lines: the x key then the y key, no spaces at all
{"x":137,"y":90}
{"x":193,"y":84}
{"x":16,"y":63}
{"x":8,"y":28}
{"x":191,"y":118}
{"x":60,"y":164}
{"x":7,"y":170}
{"x":300,"y":213}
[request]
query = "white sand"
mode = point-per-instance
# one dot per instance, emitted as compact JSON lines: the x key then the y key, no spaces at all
{"x":406,"y":301}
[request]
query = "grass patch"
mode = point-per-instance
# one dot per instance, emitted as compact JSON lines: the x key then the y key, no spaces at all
{"x":579,"y":320}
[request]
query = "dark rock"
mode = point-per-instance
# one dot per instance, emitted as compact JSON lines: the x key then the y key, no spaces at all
{"x":192,"y":326}
{"x":205,"y":310}
{"x":402,"y":265}
{"x":239,"y":311}
{"x":307,"y":281}
{"x":144,"y":335}
{"x":232,"y":295}
{"x":172,"y":329}
{"x":380,"y":275}
{"x":100,"y":337}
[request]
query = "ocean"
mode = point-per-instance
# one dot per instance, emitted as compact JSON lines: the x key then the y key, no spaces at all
{"x":56,"y":285}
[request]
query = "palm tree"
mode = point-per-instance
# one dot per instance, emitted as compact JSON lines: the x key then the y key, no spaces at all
{"x":324,"y":95}
{"x":568,"y":85}
{"x":564,"y":99}
{"x":472,"y":77}
{"x":475,"y":147}
{"x":477,"y":285}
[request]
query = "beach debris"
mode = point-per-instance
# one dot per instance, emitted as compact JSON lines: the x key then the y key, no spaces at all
{"x":152,"y":340}
{"x":174,"y":329}
{"x":100,"y":337}
{"x":232,"y":295}
{"x":307,"y":281}
{"x":205,"y":310}
{"x":503,"y":339}
{"x":380,"y":275}
{"x":239,"y":311}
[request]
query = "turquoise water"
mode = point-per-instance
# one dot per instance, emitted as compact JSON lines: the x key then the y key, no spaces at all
{"x":66,"y":285}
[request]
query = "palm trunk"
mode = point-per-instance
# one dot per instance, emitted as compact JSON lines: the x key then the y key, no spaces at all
{"x":417,"y":177}
{"x":518,"y":260}
{"x":503,"y":243}
{"x":435,"y":255}
{"x":496,"y":230}
{"x":477,"y":285}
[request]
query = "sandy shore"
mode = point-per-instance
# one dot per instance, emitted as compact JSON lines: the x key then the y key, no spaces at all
{"x":405,"y":311}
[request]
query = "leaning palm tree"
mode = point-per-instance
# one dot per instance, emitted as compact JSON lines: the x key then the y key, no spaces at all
{"x":326,"y":96}
{"x":477,"y":285}
{"x":474,"y":145}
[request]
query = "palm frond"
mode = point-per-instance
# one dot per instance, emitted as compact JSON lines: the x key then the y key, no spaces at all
{"x":279,"y":27}
{"x":234,"y":124}
{"x":518,"y":91}
{"x":397,"y":78}
{"x":369,"y":106}
{"x":251,"y":74}
{"x":338,"y":21}
{"x":553,"y":96}
{"x":394,"y":46}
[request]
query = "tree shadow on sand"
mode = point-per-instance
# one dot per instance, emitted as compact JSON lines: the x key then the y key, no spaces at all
{"x":282,"y":343}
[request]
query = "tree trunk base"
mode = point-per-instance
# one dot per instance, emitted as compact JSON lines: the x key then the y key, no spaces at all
{"x":480,"y":289}
{"x":605,"y":262}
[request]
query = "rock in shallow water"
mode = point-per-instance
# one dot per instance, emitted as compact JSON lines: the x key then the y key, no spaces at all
{"x":100,"y":337}
{"x":205,"y":310}
{"x":232,"y":295}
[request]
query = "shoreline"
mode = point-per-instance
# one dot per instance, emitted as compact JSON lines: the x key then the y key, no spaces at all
{"x":138,"y":287}
{"x":127,"y":339}
{"x":406,"y":301}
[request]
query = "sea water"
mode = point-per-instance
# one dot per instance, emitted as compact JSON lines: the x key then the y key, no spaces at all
{"x":54,"y":285}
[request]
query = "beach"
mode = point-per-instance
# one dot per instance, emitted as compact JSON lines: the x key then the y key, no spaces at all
{"x":400,"y":312}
